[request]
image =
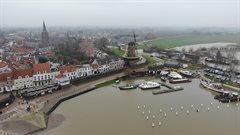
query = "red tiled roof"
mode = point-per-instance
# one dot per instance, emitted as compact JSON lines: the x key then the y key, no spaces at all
{"x":22,"y":73}
{"x":28,"y":61}
{"x":94,"y":66}
{"x":41,"y":67}
{"x":4,"y":76}
{"x":3,"y":64}
{"x":68,"y":68}
{"x":60,"y":75}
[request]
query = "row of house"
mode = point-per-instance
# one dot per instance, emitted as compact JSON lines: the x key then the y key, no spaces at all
{"x":43,"y":74}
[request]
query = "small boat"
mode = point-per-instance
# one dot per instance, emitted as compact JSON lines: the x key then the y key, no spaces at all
{"x":127,"y":87}
{"x":164,"y":79}
{"x":186,"y":73}
{"x":117,"y":81}
{"x":179,"y":80}
{"x":175,"y":75}
{"x":163,"y":73}
{"x":149,"y":85}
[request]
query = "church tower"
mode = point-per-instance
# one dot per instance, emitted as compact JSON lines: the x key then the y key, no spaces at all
{"x":44,"y":37}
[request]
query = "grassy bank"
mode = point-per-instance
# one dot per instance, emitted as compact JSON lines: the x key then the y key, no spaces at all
{"x":225,"y":82}
{"x":118,"y":52}
{"x":105,"y":83}
{"x":150,"y":60}
{"x":195,"y":67}
{"x":230,"y":88}
{"x":172,"y":42}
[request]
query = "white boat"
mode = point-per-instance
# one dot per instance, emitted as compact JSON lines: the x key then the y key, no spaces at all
{"x":186,"y":73}
{"x":149,"y":85}
{"x":163,"y":73}
{"x":179,"y":80}
{"x":117,"y":81}
{"x":175,"y":75}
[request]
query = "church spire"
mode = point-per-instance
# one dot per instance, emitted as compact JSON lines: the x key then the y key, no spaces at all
{"x":44,"y":26}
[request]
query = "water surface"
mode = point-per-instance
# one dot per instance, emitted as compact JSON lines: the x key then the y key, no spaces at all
{"x":109,"y":111}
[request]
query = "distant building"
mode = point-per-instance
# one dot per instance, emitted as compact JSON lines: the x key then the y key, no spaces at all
{"x":44,"y":37}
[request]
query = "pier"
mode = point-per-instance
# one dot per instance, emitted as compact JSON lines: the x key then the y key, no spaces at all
{"x":170,"y":89}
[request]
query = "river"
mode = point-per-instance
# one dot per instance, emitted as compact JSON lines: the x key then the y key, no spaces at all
{"x":109,"y":111}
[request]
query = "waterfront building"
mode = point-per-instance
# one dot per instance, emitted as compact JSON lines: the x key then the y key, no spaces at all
{"x":103,"y":65}
{"x":42,"y":74}
{"x":22,"y":79}
{"x":84,"y":70}
{"x":116,"y":63}
{"x":68,"y":71}
{"x":62,"y":80}
{"x":94,"y":68}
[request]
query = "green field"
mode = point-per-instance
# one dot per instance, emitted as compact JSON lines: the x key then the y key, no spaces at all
{"x":149,"y":59}
{"x":117,"y":52}
{"x":106,"y":83}
{"x":172,"y":42}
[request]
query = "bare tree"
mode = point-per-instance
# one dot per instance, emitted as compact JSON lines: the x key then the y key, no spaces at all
{"x":231,"y":55}
{"x":218,"y":56}
{"x":191,"y":50}
{"x":183,"y":50}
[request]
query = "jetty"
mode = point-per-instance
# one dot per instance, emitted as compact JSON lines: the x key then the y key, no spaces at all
{"x":170,"y":89}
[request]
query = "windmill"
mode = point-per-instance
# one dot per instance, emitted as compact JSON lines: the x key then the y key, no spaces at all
{"x":131,"y":56}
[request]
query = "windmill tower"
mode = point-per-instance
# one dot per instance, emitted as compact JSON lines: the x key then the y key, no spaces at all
{"x":131,"y":56}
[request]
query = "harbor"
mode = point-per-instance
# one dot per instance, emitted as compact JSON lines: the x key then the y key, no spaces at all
{"x":149,"y":114}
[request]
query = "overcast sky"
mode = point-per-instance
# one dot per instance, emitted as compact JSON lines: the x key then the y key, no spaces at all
{"x":173,"y":13}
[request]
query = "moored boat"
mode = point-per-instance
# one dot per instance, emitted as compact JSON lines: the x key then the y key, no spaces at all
{"x":164,"y":79}
{"x":212,"y":86}
{"x":180,"y":80}
{"x":149,"y":85}
{"x":117,"y":81}
{"x":186,"y":73}
{"x":127,"y":87}
{"x":175,"y":75}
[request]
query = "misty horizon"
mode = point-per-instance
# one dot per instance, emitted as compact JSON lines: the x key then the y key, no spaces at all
{"x":133,"y":13}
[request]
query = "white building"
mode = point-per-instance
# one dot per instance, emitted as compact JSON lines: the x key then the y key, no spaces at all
{"x":116,"y":64}
{"x":69,"y":71}
{"x":84,"y":70}
{"x":62,"y":80}
{"x":42,"y":74}
{"x":22,"y":79}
